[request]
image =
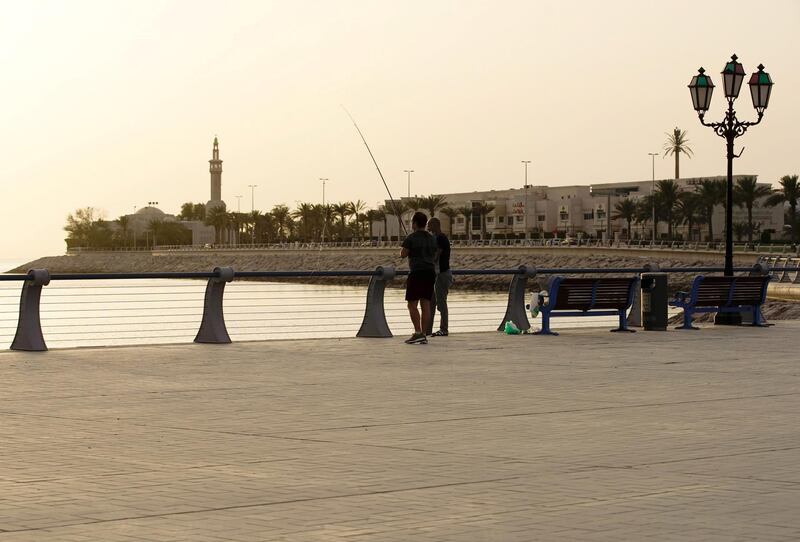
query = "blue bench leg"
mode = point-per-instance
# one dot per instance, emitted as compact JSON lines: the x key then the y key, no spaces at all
{"x":687,"y":320}
{"x":545,"y":325}
{"x":758,"y":319}
{"x":623,"y":323}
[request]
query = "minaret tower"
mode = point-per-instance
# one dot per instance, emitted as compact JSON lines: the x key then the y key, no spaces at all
{"x":215,"y":168}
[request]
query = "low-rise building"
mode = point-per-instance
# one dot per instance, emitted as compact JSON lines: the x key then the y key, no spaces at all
{"x":561,"y":211}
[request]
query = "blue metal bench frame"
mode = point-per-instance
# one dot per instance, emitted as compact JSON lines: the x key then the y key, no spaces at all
{"x":550,"y":310}
{"x":689,"y":302}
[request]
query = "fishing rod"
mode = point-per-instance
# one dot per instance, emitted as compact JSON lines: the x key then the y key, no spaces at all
{"x":394,"y":203}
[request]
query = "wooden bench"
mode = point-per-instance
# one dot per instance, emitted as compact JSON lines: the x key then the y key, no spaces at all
{"x":723,"y":294}
{"x":589,"y":297}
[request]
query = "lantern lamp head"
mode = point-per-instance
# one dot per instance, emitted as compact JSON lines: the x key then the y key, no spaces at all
{"x":701,"y":89}
{"x":733,"y":75}
{"x":760,"y":88}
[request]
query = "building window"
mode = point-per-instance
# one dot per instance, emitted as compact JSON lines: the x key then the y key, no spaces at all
{"x":501,"y":219}
{"x":589,"y":215}
{"x":540,"y":218}
{"x":519,"y":219}
{"x":601,"y":214}
{"x":510,"y":220}
{"x":490,"y":220}
{"x":459,"y":220}
{"x":563,"y":215}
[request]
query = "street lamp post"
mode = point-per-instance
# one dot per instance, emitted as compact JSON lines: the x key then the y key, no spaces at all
{"x":653,"y":155}
{"x":729,"y":129}
{"x":323,"y":179}
{"x":324,"y":212}
{"x":525,"y":210}
{"x":238,"y":204}
{"x":252,"y":196}
{"x":409,"y":172}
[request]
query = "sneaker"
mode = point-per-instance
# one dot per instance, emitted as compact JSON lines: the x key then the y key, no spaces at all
{"x":440,"y":333}
{"x":417,"y":338}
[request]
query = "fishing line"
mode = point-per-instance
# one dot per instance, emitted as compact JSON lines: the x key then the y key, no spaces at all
{"x":394,"y":204}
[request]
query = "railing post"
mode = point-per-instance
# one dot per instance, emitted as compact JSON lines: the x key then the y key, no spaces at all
{"x":515,"y":309}
{"x":212,"y":328}
{"x":29,"y":326}
{"x":374,"y":322}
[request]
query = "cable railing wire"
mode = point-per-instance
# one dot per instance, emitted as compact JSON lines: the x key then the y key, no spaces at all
{"x":251,"y":304}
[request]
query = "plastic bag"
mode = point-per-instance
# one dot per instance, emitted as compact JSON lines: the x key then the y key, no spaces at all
{"x":512,"y":329}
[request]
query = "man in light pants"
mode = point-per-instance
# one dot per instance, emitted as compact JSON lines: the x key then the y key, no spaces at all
{"x":444,"y":279}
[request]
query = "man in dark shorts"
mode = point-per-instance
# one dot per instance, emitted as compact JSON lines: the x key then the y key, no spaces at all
{"x":444,"y":279}
{"x":420,"y":249}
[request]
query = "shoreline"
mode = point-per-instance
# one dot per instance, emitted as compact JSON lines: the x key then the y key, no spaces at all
{"x":776,"y":308}
{"x":370,"y":258}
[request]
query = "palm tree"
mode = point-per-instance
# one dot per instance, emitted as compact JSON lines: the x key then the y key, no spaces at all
{"x":356,"y":209}
{"x":305,"y":214}
{"x":154,"y":227}
{"x":254,"y":221}
{"x":483,"y":209}
{"x":689,"y":211}
{"x":217,"y":216}
{"x":668,"y":193}
{"x":433,"y":203}
{"x":451,"y":214}
{"x":124,"y":222}
{"x":644,"y":211}
{"x":280,"y":214}
{"x":379,"y":215}
{"x":467,"y":211}
{"x":625,"y":210}
{"x":343,"y":211}
{"x":789,"y":193}
{"x":370,"y":217}
{"x":415,"y":204}
{"x":398,"y":208}
{"x":746,"y":194}
{"x":711,"y":193}
{"x":739,"y":229}
{"x":675,"y":145}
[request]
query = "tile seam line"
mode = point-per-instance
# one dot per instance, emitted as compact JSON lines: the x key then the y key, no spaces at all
{"x":415,"y":422}
{"x":263,"y":504}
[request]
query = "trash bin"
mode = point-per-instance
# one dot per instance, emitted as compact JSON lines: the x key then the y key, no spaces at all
{"x":654,"y":301}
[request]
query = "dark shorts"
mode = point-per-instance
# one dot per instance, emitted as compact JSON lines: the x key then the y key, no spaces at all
{"x":420,"y":285}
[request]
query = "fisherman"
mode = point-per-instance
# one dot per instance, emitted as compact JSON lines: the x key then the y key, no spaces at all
{"x":420,"y":249}
{"x":444,"y":279}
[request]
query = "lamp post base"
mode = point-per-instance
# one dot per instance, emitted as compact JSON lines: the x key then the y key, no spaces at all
{"x":728,"y":319}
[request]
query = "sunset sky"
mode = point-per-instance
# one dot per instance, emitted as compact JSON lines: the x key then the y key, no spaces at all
{"x":112,"y":104}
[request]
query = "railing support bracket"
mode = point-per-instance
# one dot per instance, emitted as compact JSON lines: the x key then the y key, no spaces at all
{"x":374,"y":323}
{"x":29,"y":326}
{"x":212,"y":328}
{"x":515,"y":309}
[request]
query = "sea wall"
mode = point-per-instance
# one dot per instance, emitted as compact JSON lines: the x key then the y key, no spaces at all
{"x":369,"y":258}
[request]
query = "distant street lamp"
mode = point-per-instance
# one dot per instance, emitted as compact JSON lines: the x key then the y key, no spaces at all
{"x":323,"y":179}
{"x":252,"y":196}
{"x":653,"y":155}
{"x":238,"y":204}
{"x":525,"y":211}
{"x":409,"y":172}
{"x":324,"y":212}
{"x":701,"y":89}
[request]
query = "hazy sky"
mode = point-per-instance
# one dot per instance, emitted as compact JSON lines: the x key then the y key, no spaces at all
{"x":112,"y":104}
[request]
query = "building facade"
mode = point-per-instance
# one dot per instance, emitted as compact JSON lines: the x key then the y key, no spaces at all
{"x":579,"y":211}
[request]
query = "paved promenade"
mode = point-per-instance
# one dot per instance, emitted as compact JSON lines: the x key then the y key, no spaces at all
{"x":688,"y":436}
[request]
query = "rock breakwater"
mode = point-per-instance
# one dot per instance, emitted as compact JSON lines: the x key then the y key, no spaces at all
{"x":370,"y":258}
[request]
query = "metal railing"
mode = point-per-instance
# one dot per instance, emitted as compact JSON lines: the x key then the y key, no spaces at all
{"x":126,"y":306}
{"x":717,"y":246}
